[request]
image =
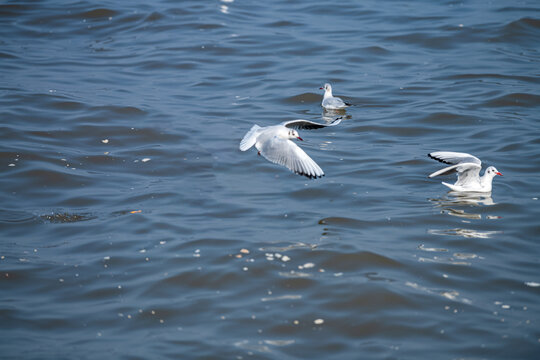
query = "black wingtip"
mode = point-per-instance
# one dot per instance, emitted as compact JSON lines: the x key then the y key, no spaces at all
{"x":336,"y":121}
{"x":439,"y":160}
{"x":309,"y":176}
{"x":349,"y":104}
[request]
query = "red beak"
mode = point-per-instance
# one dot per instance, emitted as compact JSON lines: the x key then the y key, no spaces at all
{"x":321,"y":88}
{"x":498,"y":173}
{"x":299,"y":138}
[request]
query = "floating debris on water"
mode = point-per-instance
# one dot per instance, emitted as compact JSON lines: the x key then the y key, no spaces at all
{"x":242,"y":251}
{"x":66,"y":217}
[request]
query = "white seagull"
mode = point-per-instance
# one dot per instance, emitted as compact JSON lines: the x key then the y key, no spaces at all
{"x":468,"y":169}
{"x":330,"y":102}
{"x":274,"y":143}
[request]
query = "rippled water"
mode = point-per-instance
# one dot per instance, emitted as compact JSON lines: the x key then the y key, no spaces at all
{"x":133,"y":227}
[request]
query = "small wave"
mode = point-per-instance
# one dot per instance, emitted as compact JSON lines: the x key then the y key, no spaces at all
{"x":282,"y":23}
{"x":304,"y":98}
{"x":338,"y":261}
{"x":425,"y":40}
{"x":97,"y":13}
{"x":155,"y":16}
{"x":120,"y":110}
{"x":523,"y":26}
{"x":515,"y":100}
{"x":486,"y":76}
{"x":14,"y":216}
{"x":4,"y":55}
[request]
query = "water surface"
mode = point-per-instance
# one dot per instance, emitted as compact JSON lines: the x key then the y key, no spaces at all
{"x":133,"y":227}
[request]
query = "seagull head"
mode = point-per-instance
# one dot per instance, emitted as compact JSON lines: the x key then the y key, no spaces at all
{"x":492,"y":171}
{"x":293,"y":134}
{"x":327,"y":87}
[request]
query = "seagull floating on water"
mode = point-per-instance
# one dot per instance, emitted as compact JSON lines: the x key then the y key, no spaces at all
{"x":468,"y":169}
{"x":274,"y":143}
{"x":330,"y":102}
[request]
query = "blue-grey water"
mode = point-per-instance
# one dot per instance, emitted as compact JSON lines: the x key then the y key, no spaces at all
{"x":132,"y":226}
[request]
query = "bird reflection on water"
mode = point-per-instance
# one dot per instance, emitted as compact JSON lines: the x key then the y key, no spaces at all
{"x":454,"y":199}
{"x":449,"y":205}
{"x":328,"y":114}
{"x":467,"y":233}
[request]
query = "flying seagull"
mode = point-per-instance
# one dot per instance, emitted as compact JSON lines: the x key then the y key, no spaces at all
{"x":274,"y":143}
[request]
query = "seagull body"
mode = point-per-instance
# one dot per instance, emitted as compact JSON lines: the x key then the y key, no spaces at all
{"x":274,"y":143}
{"x":467,"y":168}
{"x":330,"y":102}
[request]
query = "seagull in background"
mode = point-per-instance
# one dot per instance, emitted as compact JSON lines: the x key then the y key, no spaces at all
{"x":330,"y":102}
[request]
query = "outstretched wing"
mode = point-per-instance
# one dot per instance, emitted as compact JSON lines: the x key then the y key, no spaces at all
{"x":250,"y":138}
{"x":466,"y":166}
{"x":308,"y":125}
{"x":285,"y":152}
{"x":453,"y":158}
{"x":466,"y":172}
